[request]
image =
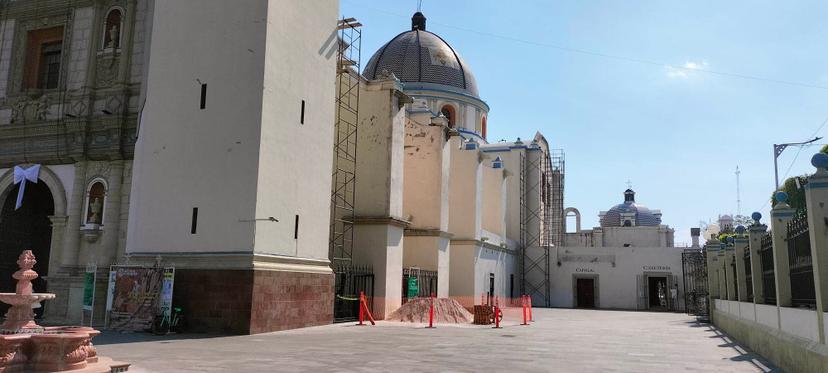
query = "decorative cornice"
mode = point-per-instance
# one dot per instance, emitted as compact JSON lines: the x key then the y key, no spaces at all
{"x":234,"y":260}
{"x":381,"y":220}
{"x":414,"y":232}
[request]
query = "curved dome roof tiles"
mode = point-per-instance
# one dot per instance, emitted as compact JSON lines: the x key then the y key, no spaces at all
{"x":422,"y":59}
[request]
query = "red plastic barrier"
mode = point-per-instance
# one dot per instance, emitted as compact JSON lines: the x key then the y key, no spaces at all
{"x":529,"y":298}
{"x":496,"y":314}
{"x":523,"y":303}
{"x":431,"y":312}
{"x":364,"y":311}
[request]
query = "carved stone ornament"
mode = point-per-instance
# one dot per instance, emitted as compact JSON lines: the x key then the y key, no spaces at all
{"x":27,"y":110}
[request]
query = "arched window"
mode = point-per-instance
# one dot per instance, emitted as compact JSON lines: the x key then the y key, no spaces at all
{"x":112,"y":29}
{"x":450,"y":114}
{"x":483,"y":128}
{"x":95,"y":199}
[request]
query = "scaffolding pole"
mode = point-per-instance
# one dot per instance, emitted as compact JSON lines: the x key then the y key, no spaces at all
{"x":343,"y":187}
{"x":541,"y":219}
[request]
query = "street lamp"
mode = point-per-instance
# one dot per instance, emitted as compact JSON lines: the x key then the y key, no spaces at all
{"x":777,"y":151}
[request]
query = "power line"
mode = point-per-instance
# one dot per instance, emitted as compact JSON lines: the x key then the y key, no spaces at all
{"x":612,"y":56}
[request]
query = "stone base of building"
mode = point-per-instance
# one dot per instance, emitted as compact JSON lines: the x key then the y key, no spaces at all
{"x":786,"y":351}
{"x":252,"y":301}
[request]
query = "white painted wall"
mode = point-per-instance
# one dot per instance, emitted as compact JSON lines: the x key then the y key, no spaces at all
{"x":294,"y":158}
{"x":465,"y":191}
{"x":799,"y":322}
{"x":617,"y":285}
{"x":246,"y":156}
{"x":427,"y":165}
{"x":502,"y":264}
{"x":767,"y":315}
{"x":494,"y":217}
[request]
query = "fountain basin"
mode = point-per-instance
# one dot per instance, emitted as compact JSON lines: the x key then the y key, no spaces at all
{"x":24,"y":299}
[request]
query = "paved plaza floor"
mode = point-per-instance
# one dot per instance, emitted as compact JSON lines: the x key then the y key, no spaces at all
{"x":560,"y":340}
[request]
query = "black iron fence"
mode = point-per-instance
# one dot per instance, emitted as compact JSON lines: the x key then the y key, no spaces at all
{"x":768,"y":274}
{"x":803,"y":292}
{"x":350,"y":281}
{"x":425,"y":282}
{"x":694,"y":268}
{"x":748,"y":276}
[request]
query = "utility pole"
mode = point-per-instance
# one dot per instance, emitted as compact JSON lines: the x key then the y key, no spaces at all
{"x":777,"y":151}
{"x":738,"y":193}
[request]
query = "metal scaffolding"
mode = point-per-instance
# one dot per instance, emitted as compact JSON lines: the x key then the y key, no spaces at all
{"x":343,"y":188}
{"x":555,"y":180}
{"x":541,"y":219}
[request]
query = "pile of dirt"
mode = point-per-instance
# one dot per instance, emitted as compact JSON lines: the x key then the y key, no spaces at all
{"x":446,"y":311}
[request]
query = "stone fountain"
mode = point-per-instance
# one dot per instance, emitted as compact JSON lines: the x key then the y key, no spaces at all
{"x":28,"y":347}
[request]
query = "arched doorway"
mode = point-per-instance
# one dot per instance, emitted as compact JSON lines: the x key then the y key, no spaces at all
{"x":28,"y":228}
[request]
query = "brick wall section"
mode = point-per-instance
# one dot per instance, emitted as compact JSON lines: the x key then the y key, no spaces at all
{"x":214,"y":300}
{"x":290,"y":300}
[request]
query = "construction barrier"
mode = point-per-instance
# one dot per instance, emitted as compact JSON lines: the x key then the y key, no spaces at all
{"x":431,"y":313}
{"x":364,"y":311}
{"x":497,"y":314}
{"x":523,"y":304}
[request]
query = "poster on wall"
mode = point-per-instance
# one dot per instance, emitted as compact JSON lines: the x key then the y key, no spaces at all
{"x":89,"y":292}
{"x":165,"y":303}
{"x":135,"y":294}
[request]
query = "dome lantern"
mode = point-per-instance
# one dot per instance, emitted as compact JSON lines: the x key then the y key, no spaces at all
{"x":418,"y":22}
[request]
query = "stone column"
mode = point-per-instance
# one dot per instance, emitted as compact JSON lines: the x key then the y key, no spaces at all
{"x":816,"y":196}
{"x":755,"y":233}
{"x":721,"y":268}
{"x":379,"y":223}
{"x":740,"y":246}
{"x":712,"y":250}
{"x":781,"y":214}
{"x":71,"y":238}
{"x":112,"y":214}
{"x":56,"y":245}
{"x":729,"y":257}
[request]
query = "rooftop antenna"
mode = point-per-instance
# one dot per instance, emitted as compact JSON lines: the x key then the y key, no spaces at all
{"x":738,"y":193}
{"x":629,"y":184}
{"x":419,"y":5}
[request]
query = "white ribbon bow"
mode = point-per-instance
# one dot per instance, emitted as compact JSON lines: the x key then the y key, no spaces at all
{"x":20,"y":177}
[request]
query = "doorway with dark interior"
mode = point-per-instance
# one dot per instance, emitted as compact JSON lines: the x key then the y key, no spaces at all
{"x":585,"y":292}
{"x":657,"y":293}
{"x":27,"y":228}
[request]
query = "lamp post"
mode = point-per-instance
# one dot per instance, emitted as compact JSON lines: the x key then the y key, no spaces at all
{"x":777,"y":151}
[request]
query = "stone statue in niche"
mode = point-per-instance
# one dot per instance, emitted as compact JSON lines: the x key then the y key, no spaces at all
{"x":95,"y":209}
{"x":114,"y":34}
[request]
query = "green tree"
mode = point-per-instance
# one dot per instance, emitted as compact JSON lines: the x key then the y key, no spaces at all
{"x":795,"y":191}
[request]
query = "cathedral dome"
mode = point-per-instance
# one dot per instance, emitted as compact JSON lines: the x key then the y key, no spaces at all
{"x":630,"y":214}
{"x":422,"y":60}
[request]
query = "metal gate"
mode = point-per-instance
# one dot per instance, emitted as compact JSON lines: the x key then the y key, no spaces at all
{"x":350,"y":281}
{"x":426,"y":283}
{"x":694,"y":267}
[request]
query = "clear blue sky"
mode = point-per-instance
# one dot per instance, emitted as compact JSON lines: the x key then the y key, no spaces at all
{"x":677,"y":134}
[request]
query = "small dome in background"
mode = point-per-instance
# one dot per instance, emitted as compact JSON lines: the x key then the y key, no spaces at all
{"x":630,"y":214}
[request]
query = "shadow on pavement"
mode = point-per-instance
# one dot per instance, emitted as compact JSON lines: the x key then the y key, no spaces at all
{"x":109,"y":337}
{"x":744,"y":354}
